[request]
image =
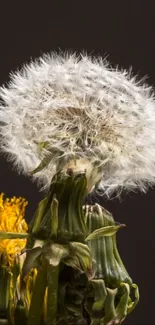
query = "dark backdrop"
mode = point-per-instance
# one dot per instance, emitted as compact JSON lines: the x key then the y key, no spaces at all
{"x":123,"y":30}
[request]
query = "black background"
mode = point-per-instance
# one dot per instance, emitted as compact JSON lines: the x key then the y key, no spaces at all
{"x":125,"y":31}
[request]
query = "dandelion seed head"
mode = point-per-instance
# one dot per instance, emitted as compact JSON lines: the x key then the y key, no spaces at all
{"x":68,"y":107}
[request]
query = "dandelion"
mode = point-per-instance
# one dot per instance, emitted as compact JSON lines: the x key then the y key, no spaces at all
{"x":12,"y":220}
{"x":80,"y":123}
{"x":12,"y":227}
{"x":64,"y":108}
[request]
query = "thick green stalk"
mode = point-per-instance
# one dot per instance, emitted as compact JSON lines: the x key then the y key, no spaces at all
{"x":36,"y":306}
{"x":52,"y":296}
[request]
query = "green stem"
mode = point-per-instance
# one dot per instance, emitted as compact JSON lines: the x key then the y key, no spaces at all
{"x":36,"y":307}
{"x":13,"y":235}
{"x":52,"y":300}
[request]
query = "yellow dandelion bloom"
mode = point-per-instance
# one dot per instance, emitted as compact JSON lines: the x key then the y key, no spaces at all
{"x":12,"y":213}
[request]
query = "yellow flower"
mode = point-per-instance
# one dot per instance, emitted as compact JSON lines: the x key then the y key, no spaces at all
{"x":12,"y":220}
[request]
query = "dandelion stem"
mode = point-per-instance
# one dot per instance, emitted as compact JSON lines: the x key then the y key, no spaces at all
{"x":52,"y":300}
{"x":36,"y":307}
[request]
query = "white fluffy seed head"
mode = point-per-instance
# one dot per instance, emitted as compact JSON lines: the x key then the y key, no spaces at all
{"x":67,"y":108}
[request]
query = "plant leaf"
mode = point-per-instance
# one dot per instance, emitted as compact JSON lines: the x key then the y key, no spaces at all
{"x":100,"y":294}
{"x":54,"y":217}
{"x":110,"y":312}
{"x":54,"y":253}
{"x":73,"y":262}
{"x":122,"y":307}
{"x":39,"y":214}
{"x":82,"y":254}
{"x":44,"y":163}
{"x":104,"y":231}
{"x":134,"y":303}
{"x":30,"y":260}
